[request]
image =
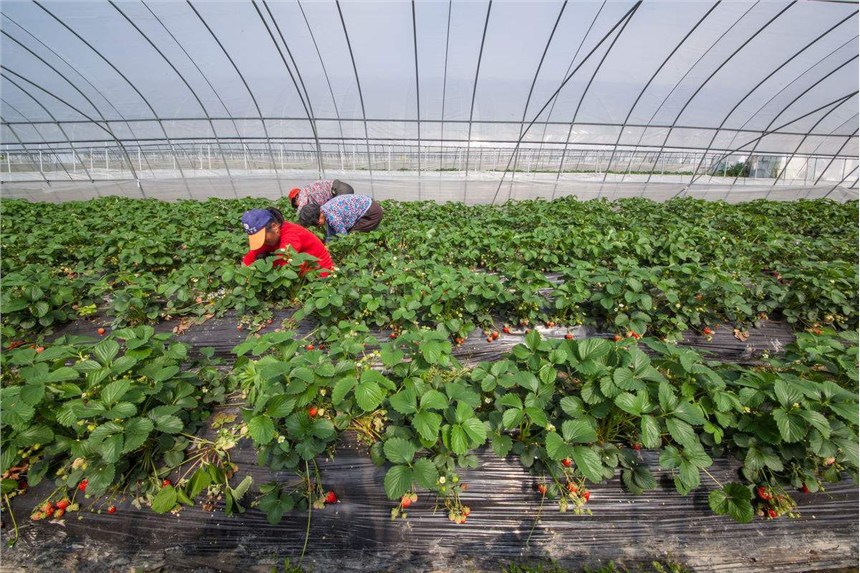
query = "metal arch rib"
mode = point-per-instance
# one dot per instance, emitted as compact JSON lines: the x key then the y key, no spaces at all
{"x":444,"y":86}
{"x":93,"y":121}
{"x":648,"y":84}
{"x":555,"y":99}
{"x":417,"y":93}
{"x":769,"y":131}
{"x":309,"y":108}
{"x":322,"y":64}
{"x":803,"y":139}
{"x":672,"y":91}
{"x":360,"y":96}
{"x":74,"y":86}
{"x":716,"y":71}
{"x":247,"y":87}
{"x":623,"y":18}
{"x":474,"y":92}
{"x":758,"y":85}
{"x":531,"y":90}
{"x":48,"y":112}
{"x":83,"y":77}
{"x":193,"y":93}
{"x":792,"y":102}
{"x":588,"y":86}
{"x":24,"y":145}
{"x":134,"y":87}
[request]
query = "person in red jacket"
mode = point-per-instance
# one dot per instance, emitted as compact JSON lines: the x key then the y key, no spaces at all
{"x":268,"y":232}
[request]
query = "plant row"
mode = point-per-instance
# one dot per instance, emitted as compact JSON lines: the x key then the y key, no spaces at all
{"x":656,"y":268}
{"x":120,"y":418}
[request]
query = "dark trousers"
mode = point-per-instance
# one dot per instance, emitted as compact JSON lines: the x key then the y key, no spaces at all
{"x":370,"y":220}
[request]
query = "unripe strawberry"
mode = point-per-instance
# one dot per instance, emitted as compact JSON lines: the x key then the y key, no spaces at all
{"x":40,"y":349}
{"x":59,"y":513}
{"x":571,"y":488}
{"x":616,"y":338}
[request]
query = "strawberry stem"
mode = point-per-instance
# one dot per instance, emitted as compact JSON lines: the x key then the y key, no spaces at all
{"x":537,"y":518}
{"x":13,"y":541}
{"x":310,"y":512}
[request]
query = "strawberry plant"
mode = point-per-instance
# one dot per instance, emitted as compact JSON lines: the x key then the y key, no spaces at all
{"x":116,"y":416}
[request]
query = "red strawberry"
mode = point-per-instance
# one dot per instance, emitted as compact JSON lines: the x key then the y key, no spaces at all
{"x":62,"y":504}
{"x":772,"y":514}
{"x":495,"y":334}
{"x":47,"y":509}
{"x":571,"y":488}
{"x":707,"y":331}
{"x":166,"y":483}
{"x":568,"y":336}
{"x":111,"y":510}
{"x":83,"y":485}
{"x":805,"y":488}
{"x":309,"y":347}
{"x":637,"y":446}
{"x":331,"y":497}
{"x":101,"y":331}
{"x":489,"y":339}
{"x":617,"y":338}
{"x":541,"y":489}
{"x":566,"y":462}
{"x":392,"y":336}
{"x":763,"y":493}
{"x":238,"y":327}
{"x":312,"y":411}
{"x":587,"y":495}
{"x":40,"y":349}
{"x":405,"y":501}
{"x":506,"y":330}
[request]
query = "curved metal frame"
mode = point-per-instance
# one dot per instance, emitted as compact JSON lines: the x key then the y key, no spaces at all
{"x":184,"y":81}
{"x":627,"y":15}
{"x":247,"y":87}
{"x":829,"y":143}
{"x":474,"y":92}
{"x":531,"y":90}
{"x":114,"y":68}
{"x":360,"y":95}
{"x":758,"y":85}
{"x":714,"y":73}
{"x":309,"y":108}
{"x":68,"y":140}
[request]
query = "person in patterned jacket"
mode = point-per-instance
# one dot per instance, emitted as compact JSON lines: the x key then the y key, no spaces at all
{"x":318,"y":192}
{"x":343,"y":214}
